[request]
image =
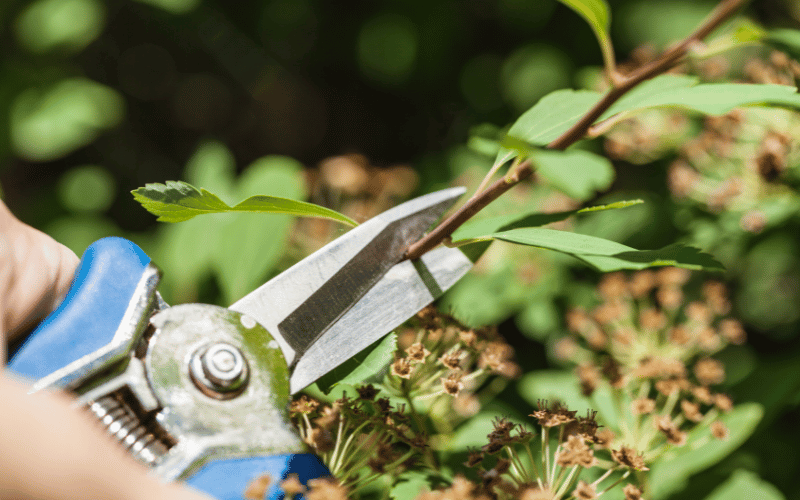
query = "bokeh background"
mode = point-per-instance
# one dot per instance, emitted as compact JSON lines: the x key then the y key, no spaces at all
{"x":359,"y":104}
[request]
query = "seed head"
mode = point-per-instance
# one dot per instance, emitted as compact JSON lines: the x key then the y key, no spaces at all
{"x":627,"y":457}
{"x":719,"y":430}
{"x":709,"y":371}
{"x":643,"y":406}
{"x":453,"y":384}
{"x":417,"y":353}
{"x":691,"y":411}
{"x":632,"y":492}
{"x":402,"y":368}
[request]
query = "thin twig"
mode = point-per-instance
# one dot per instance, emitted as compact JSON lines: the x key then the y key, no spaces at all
{"x":724,"y":10}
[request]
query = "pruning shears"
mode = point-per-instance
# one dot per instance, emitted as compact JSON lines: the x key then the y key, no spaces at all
{"x":200,"y":392}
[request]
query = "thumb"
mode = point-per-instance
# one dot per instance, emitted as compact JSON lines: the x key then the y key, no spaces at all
{"x":35,"y":274}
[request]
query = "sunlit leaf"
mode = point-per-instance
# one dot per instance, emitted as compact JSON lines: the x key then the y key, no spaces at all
{"x":608,"y":255}
{"x":47,"y":124}
{"x":484,"y":228}
{"x":596,"y":13}
{"x":178,"y":201}
{"x":745,"y":484}
{"x":742,"y":32}
{"x":576,"y":173}
{"x":680,"y":91}
{"x":368,"y":363}
{"x":553,"y":115}
{"x":60,"y":24}
{"x":669,"y":474}
{"x":410,"y":483}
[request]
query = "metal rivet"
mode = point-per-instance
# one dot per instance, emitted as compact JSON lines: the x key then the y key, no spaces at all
{"x":219,"y":370}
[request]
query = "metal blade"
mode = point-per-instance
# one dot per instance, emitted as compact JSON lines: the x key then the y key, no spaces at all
{"x":401,"y":293}
{"x":301,"y":303}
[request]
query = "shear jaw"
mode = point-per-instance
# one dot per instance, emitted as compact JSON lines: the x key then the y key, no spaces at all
{"x":223,"y":384}
{"x":205,"y":383}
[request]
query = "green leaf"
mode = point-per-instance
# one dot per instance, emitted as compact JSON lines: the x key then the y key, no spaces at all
{"x":556,"y":112}
{"x":178,"y":201}
{"x":608,"y":255}
{"x":576,"y":173}
{"x":553,"y":115}
{"x":746,"y":484}
{"x":741,"y":32}
{"x":670,"y":473}
{"x":411,"y":483}
{"x":785,"y":39}
{"x":365,"y":365}
{"x":482,"y":229}
{"x":49,"y":123}
{"x":596,"y":13}
{"x":681,"y":91}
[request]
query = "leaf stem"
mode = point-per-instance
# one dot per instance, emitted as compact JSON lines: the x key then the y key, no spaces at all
{"x":671,"y":57}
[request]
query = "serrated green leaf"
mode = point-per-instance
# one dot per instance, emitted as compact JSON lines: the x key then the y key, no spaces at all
{"x":178,"y":201}
{"x":363,"y":366}
{"x":608,"y":255}
{"x":745,"y":484}
{"x":597,"y":14}
{"x":670,"y":473}
{"x":484,"y":228}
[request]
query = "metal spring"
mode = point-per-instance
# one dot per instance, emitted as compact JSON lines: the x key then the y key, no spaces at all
{"x":123,"y":424}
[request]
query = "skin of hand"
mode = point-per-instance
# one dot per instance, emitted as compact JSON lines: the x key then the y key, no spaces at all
{"x":49,"y":448}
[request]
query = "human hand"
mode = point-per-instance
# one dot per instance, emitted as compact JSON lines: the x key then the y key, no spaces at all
{"x":49,"y":449}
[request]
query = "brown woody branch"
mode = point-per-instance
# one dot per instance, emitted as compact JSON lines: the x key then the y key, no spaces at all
{"x":670,"y":58}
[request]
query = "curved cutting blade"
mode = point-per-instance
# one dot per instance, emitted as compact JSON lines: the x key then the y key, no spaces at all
{"x":301,"y":303}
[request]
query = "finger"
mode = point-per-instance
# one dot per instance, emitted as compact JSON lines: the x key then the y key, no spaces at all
{"x":53,"y":451}
{"x":35,"y":274}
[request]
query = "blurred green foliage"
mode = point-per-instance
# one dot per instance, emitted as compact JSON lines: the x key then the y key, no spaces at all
{"x":100,"y":97}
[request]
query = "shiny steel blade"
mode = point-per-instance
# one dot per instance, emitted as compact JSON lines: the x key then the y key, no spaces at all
{"x":301,"y":303}
{"x":400,"y":293}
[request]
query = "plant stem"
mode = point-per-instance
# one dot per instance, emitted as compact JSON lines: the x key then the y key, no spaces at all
{"x":724,"y":10}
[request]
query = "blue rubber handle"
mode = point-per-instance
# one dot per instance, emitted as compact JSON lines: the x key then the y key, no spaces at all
{"x":228,"y":479}
{"x":90,"y":314}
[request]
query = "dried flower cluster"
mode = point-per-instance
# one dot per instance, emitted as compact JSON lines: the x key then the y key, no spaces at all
{"x":547,"y":465}
{"x":440,"y":357}
{"x":654,"y":353}
{"x":360,"y":438}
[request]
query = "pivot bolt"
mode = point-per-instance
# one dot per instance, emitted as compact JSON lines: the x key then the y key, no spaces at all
{"x":219,"y":370}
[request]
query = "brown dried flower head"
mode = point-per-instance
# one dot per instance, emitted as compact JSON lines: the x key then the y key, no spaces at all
{"x":709,"y":371}
{"x":417,"y":353}
{"x":452,"y":385}
{"x":643,"y":406}
{"x":632,"y":492}
{"x":584,"y":491}
{"x":402,"y":368}
{"x":719,"y":430}
{"x":627,"y":457}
